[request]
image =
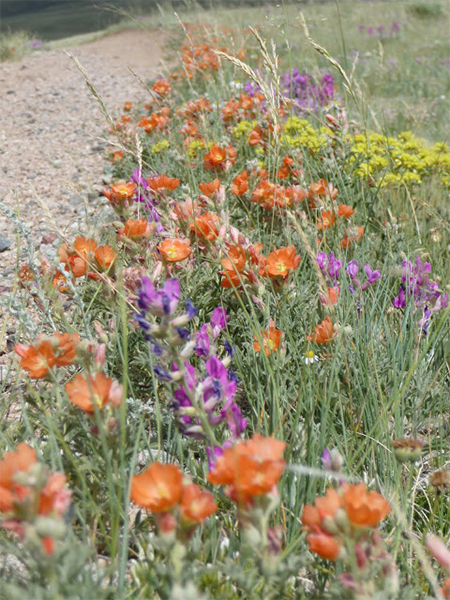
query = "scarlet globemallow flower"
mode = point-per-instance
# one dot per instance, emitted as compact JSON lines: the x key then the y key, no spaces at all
{"x":158,"y":488}
{"x":162,"y":182}
{"x":120,"y":194}
{"x":323,"y":333}
{"x":240,"y":184}
{"x":135,"y":230}
{"x":271,"y":341}
{"x":196,"y":504}
{"x":105,"y":257}
{"x":345,"y":211}
{"x":280,"y":262}
{"x":206,"y":226}
{"x":249,"y":469}
{"x":175,"y":250}
{"x":235,"y":261}
{"x":332,"y":296}
{"x":352,"y":235}
{"x":215,"y":157}
{"x":209,"y":188}
{"x":161,"y":87}
{"x":365,"y":509}
{"x":446,"y":588}
{"x":326,"y":220}
{"x":97,"y":390}
{"x":13,"y":462}
{"x":66,"y":348}
{"x":37,"y":359}
{"x":324,"y":545}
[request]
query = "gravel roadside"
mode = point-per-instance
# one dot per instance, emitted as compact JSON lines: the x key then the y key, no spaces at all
{"x":51,"y":136}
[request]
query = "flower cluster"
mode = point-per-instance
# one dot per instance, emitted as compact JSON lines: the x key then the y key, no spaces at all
{"x":304,"y":93}
{"x":88,"y":392}
{"x":203,"y":398}
{"x":424,"y":294}
{"x":177,"y":505}
{"x":32,"y":499}
{"x":341,"y":526}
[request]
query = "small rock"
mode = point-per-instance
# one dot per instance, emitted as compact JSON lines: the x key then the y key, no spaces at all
{"x":49,"y":238}
{"x":5,"y":244}
{"x":11,"y":92}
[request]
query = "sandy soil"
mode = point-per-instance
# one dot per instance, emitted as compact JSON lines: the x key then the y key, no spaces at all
{"x":52,"y":132}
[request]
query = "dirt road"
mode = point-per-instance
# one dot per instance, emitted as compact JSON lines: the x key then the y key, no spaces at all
{"x":51,"y":130}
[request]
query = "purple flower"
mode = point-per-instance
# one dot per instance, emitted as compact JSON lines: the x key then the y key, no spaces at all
{"x":372,"y":276}
{"x":370,"y":30}
{"x":203,"y":342}
{"x":330,"y":266}
{"x":361,"y":27}
{"x":190,"y":309}
{"x":235,"y":421}
{"x":400,"y":301}
{"x":159,"y":302}
{"x":137,"y":177}
{"x":218,"y":320}
{"x":322,"y":259}
{"x":217,"y":387}
{"x":352,"y":269}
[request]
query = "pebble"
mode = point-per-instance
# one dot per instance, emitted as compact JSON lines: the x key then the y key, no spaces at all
{"x":5,"y":244}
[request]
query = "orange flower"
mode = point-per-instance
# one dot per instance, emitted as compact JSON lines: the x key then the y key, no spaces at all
{"x":105,"y":257}
{"x":215,"y":157}
{"x":352,"y":235}
{"x":235,"y":260}
{"x":117,"y":155}
{"x":76,"y":260}
{"x":13,"y":462}
{"x":196,"y":505}
{"x":66,"y":348}
{"x":271,"y":341}
{"x":324,"y":545}
{"x":345,"y":211}
{"x":250,"y":468}
{"x":281,"y":262}
{"x":37,"y":359}
{"x":59,"y":281}
{"x":446,"y":588}
{"x":85,"y":393}
{"x":127,"y":106}
{"x":210,"y":188}
{"x":175,"y":250}
{"x":326,"y":220}
{"x":50,"y":493}
{"x":206,"y":226}
{"x":255,"y":137}
{"x":161,"y":87}
{"x":162,"y":182}
{"x":264,"y":193}
{"x":135,"y":230}
{"x":323,"y":333}
{"x":120,"y":194}
{"x":332,"y":296}
{"x":365,"y":509}
{"x":240,"y":184}
{"x":158,"y":488}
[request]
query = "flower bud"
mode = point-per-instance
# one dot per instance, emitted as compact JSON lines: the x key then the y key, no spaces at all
{"x":50,"y":527}
{"x":407,"y":449}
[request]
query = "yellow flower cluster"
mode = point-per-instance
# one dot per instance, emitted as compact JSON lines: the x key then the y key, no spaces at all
{"x":299,"y":132}
{"x":396,"y":160}
{"x":195,"y":147}
{"x":160,"y":147}
{"x":243,"y":128}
